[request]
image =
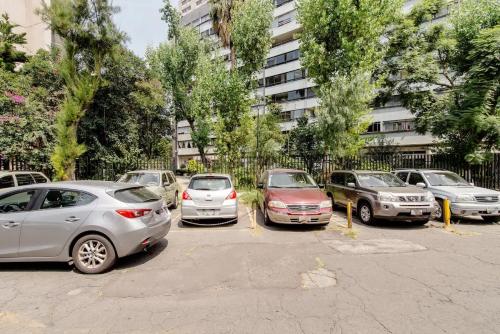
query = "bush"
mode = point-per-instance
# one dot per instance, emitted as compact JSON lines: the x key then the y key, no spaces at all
{"x":194,"y":167}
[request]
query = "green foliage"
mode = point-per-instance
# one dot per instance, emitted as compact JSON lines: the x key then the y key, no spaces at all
{"x":89,"y":37}
{"x":173,"y":19}
{"x":9,"y":55}
{"x":29,"y":100}
{"x":253,"y":198}
{"x":305,"y":141}
{"x":268,"y":134}
{"x":447,"y":74}
{"x":251,"y":35}
{"x":194,"y":167}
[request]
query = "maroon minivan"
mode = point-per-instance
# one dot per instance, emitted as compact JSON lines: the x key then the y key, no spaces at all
{"x":292,"y":197}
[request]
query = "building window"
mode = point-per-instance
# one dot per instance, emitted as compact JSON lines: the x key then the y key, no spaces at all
{"x":279,"y":3}
{"x":283,"y":58}
{"x":293,"y":95}
{"x":188,"y":8}
{"x":399,"y":126}
{"x":374,"y":127}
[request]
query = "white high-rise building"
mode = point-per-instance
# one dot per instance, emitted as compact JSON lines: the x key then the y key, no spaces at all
{"x":284,"y":81}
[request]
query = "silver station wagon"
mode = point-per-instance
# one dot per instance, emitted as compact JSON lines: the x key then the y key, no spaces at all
{"x":91,"y":223}
{"x":380,"y":195}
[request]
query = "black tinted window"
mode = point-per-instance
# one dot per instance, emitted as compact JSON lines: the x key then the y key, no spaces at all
{"x":337,"y":178}
{"x":402,"y":175}
{"x":39,"y":178}
{"x":416,"y":178}
{"x":136,"y":195}
{"x":171,"y":178}
{"x":210,"y":183}
{"x":16,"y":202}
{"x":66,"y":198}
{"x":350,"y":178}
{"x":6,"y":182}
{"x":24,"y":179}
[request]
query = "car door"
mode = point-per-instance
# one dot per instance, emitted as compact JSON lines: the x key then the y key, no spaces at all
{"x":14,"y":207}
{"x":58,"y":214}
{"x":351,"y":193}
{"x":337,"y":180}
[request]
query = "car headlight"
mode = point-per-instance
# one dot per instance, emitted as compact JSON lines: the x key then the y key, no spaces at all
{"x":325,"y":204}
{"x":277,"y":204}
{"x":465,"y":198}
{"x":429,"y":197}
{"x":386,"y":197}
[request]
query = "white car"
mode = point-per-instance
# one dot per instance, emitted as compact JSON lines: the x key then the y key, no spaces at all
{"x":465,"y":198}
{"x":17,"y":179}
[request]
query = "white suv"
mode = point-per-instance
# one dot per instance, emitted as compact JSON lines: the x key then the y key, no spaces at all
{"x":465,"y":198}
{"x":17,"y":179}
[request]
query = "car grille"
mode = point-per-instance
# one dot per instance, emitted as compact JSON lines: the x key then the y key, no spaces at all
{"x":412,"y":198}
{"x":303,"y":207}
{"x":487,"y":199}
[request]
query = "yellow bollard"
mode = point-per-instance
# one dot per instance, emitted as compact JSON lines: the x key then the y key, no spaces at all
{"x":446,"y":212}
{"x":349,"y":214}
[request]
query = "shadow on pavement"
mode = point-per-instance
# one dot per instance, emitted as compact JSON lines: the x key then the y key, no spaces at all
{"x":35,"y":266}
{"x":138,"y":259}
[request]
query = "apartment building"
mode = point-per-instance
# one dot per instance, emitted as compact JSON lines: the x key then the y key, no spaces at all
{"x":22,"y":13}
{"x":284,"y":81}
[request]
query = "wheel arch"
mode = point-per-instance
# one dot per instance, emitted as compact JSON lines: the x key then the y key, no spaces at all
{"x":89,"y":232}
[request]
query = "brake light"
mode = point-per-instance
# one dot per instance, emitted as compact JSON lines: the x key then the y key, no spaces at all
{"x":185,"y":196}
{"x":133,"y":213}
{"x":232,"y":195}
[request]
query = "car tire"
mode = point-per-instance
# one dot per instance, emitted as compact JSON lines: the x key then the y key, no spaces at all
{"x":438,"y":215}
{"x":365,"y":213}
{"x":89,"y":249}
{"x":491,"y":219}
{"x":267,"y":221}
{"x":330,"y":196}
{"x":175,"y":204}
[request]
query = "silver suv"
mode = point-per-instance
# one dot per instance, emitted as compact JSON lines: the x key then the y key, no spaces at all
{"x":380,"y":195}
{"x":17,"y":179}
{"x":465,"y":198}
{"x":161,"y":182}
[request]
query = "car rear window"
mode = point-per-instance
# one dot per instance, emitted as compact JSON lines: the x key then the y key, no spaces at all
{"x":39,"y":178}
{"x":135,"y":195}
{"x":6,"y":182}
{"x":145,"y":179}
{"x":210,"y":183}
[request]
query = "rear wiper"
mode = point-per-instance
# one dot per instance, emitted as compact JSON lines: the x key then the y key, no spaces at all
{"x":201,"y":189}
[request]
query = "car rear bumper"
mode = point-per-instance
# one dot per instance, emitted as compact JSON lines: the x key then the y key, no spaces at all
{"x":299,"y":219}
{"x":142,"y":238}
{"x":403,"y":211}
{"x":193,"y":212}
{"x":475,"y":209}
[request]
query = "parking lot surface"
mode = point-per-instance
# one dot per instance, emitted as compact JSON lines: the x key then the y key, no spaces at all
{"x":389,"y":278}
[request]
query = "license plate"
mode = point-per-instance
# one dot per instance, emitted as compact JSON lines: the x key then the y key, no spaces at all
{"x":416,"y":212}
{"x":304,"y":220}
{"x":208,"y":212}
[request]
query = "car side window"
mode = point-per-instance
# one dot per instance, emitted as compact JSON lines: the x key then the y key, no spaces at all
{"x":403,"y":176}
{"x":172,"y":175}
{"x":415,"y":178}
{"x":337,"y":178}
{"x":6,"y":182}
{"x":39,"y":178}
{"x":349,"y":178}
{"x":164,"y":179}
{"x":65,"y":198}
{"x":24,"y":179}
{"x":170,"y":178}
{"x":16,"y":202}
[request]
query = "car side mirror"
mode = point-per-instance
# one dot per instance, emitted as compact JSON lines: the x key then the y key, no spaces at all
{"x":260,"y":186}
{"x":321,"y":185}
{"x":351,"y":185}
{"x":420,"y":185}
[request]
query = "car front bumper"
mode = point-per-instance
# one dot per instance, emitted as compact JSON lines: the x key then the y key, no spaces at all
{"x":475,"y":209}
{"x":227,"y":211}
{"x":284,"y":217}
{"x":404,"y":211}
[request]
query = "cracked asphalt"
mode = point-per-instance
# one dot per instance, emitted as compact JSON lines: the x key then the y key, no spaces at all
{"x":390,"y":278}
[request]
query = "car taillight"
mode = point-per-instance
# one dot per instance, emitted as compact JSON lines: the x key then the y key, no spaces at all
{"x":232,"y":195}
{"x":133,"y":213}
{"x":185,"y":196}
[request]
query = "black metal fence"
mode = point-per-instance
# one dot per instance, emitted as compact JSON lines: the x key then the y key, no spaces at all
{"x":247,"y":169}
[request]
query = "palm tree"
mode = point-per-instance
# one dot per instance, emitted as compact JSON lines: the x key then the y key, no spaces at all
{"x":221,"y":14}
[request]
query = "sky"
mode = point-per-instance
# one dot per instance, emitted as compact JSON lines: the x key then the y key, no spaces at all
{"x":141,"y":21}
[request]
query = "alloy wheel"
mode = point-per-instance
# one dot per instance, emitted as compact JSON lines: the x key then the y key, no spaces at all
{"x":92,"y":254}
{"x":365,"y":213}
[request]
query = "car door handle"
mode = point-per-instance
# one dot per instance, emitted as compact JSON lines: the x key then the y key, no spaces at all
{"x":72,"y":219}
{"x":10,"y":224}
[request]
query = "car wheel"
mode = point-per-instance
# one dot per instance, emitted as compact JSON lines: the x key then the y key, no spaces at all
{"x":365,"y":213}
{"x":267,"y":221}
{"x":438,"y":215}
{"x":491,"y":219}
{"x":175,"y":204}
{"x":93,"y":254}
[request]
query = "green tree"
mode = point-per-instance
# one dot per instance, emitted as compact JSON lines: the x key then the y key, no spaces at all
{"x":9,"y":55}
{"x":268,"y":139}
{"x":89,"y":38}
{"x":341,"y":45}
{"x":447,"y":74}
{"x":305,"y":141}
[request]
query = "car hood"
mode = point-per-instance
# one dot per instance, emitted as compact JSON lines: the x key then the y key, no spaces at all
{"x":466,"y":190}
{"x":399,"y":190}
{"x":297,"y":196}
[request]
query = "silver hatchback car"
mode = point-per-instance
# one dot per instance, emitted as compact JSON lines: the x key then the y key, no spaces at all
{"x":209,"y":199}
{"x":89,"y":223}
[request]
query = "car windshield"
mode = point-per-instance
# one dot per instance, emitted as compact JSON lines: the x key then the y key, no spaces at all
{"x":291,"y":180}
{"x":210,"y":183}
{"x":144,"y":179}
{"x":445,"y":179}
{"x":379,"y":180}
